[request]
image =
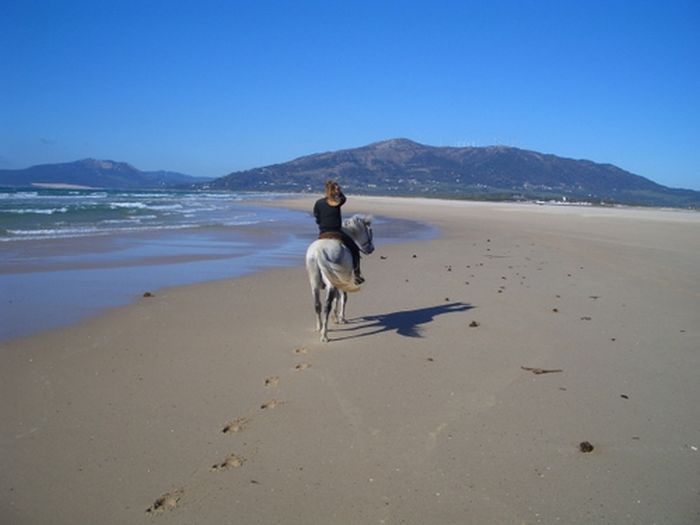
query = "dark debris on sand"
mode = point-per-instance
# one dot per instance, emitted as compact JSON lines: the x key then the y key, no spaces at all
{"x":585,"y":447}
{"x":540,"y":371}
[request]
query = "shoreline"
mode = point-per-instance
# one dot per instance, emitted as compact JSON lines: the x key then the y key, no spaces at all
{"x":417,"y":411}
{"x":59,"y":282}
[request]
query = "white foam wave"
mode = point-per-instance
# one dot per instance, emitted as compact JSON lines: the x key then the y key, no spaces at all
{"x":44,"y":211}
{"x":20,"y":195}
{"x":164,"y":207}
{"x":25,"y":235}
{"x":121,"y":221}
{"x":143,"y":195}
{"x":52,"y":233}
{"x":131,"y":205}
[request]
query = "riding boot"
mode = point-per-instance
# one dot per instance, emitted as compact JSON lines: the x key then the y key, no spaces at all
{"x":358,"y":276}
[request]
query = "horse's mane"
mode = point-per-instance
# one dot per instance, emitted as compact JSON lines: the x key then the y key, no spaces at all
{"x":353,"y":223}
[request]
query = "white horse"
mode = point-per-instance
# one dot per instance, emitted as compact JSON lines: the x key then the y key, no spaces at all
{"x":329,"y":265}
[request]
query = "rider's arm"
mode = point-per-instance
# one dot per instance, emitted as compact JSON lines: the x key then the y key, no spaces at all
{"x":317,"y":213}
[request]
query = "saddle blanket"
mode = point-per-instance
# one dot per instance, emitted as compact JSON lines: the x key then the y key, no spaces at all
{"x":331,"y":235}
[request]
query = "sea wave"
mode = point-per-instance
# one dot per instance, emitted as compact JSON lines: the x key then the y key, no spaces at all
{"x":122,"y":221}
{"x":19,"y":195}
{"x":47,"y":211}
{"x":164,"y":207}
{"x":111,"y":227}
{"x":135,"y":205}
{"x":91,"y":231}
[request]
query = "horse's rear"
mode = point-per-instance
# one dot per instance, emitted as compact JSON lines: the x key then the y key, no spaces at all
{"x":329,"y":265}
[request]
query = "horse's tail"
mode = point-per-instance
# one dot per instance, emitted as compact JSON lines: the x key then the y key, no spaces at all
{"x":338,"y":275}
{"x":322,"y":270}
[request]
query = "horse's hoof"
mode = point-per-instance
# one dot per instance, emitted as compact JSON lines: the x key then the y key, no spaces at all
{"x":324,"y":339}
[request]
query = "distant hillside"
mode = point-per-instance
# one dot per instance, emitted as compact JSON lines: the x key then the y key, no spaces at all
{"x":93,"y":173}
{"x":404,"y":167}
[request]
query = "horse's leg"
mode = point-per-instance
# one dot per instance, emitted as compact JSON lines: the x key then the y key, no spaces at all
{"x":316,"y":282}
{"x":339,"y":310}
{"x":331,"y":294}
{"x":336,"y":307}
{"x":316,"y":292}
{"x":340,"y":307}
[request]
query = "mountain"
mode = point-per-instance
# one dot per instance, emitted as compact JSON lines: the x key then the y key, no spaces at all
{"x":404,"y":167}
{"x":91,"y":173}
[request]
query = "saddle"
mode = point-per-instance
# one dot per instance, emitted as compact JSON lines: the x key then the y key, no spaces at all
{"x":331,"y":235}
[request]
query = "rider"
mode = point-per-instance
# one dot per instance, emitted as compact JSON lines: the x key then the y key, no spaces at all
{"x":329,"y":220}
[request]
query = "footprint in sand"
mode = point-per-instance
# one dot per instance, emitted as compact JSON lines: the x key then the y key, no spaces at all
{"x":302,"y":366}
{"x":235,"y":426}
{"x":231,"y":461}
{"x":272,"y":381}
{"x":167,"y":501}
{"x":301,"y":350}
{"x":273,"y":403}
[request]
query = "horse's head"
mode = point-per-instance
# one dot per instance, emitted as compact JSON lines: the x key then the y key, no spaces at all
{"x":359,"y":227}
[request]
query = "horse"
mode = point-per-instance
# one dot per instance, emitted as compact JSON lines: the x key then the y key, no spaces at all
{"x":329,"y":265}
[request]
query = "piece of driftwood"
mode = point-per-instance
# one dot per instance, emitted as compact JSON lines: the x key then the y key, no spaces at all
{"x":539,"y":371}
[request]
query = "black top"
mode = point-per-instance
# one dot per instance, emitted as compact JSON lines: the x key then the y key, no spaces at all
{"x":328,"y":217}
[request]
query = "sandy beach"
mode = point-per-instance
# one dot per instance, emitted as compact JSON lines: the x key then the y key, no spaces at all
{"x":473,"y":367}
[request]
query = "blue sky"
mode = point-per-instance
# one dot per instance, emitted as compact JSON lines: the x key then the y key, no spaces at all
{"x":207,"y":87}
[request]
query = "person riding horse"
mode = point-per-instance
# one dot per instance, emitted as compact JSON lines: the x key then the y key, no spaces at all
{"x":329,"y":220}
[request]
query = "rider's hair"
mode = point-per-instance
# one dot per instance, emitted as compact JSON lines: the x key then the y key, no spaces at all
{"x":332,"y":190}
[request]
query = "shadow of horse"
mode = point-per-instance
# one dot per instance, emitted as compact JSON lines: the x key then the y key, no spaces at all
{"x":406,"y":323}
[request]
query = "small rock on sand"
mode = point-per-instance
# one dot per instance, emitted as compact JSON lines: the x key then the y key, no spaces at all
{"x":585,"y":447}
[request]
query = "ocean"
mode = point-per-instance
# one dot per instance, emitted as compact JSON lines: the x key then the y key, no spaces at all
{"x":66,"y":255}
{"x":52,"y":214}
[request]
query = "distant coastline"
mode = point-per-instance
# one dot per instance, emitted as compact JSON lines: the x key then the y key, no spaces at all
{"x":62,"y":186}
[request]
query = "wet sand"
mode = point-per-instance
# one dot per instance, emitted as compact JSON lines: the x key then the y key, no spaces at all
{"x":216,"y":402}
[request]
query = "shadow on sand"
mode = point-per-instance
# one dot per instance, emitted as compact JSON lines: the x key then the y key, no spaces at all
{"x":407,"y":323}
